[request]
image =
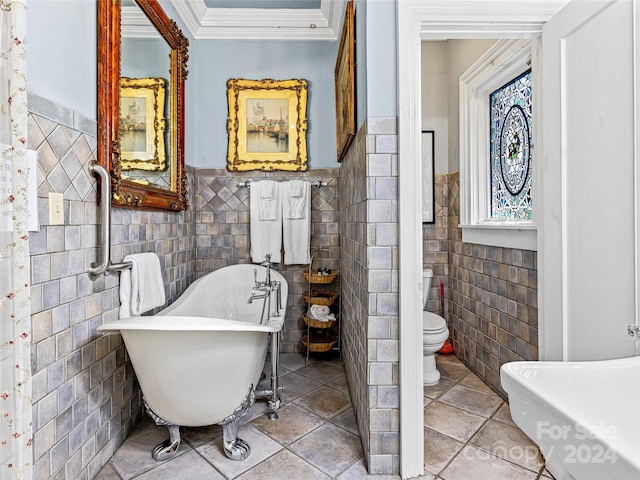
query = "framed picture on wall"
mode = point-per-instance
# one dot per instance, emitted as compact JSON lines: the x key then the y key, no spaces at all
{"x":428,"y":180}
{"x":345,"y":85}
{"x":267,"y":125}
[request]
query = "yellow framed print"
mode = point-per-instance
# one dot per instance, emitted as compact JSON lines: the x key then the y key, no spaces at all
{"x":267,"y":125}
{"x":142,"y":124}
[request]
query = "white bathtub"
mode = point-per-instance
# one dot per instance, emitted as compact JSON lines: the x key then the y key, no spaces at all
{"x":199,"y":360}
{"x":582,"y":415}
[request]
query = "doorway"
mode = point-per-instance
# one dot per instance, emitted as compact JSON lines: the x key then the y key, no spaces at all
{"x":432,"y":20}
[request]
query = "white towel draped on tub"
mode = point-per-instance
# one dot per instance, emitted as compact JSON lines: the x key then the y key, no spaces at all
{"x":296,"y":221}
{"x":141,"y":286}
{"x":265,"y":220}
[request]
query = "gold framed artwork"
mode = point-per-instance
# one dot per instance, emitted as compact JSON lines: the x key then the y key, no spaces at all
{"x":267,"y":125}
{"x":142,"y":124}
{"x":345,"y":85}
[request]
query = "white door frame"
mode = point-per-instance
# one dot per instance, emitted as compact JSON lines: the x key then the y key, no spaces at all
{"x":418,"y":20}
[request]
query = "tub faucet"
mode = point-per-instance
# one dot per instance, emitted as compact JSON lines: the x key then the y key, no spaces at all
{"x":254,"y":295}
{"x":267,"y":263}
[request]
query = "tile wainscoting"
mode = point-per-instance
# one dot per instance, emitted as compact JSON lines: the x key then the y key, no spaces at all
{"x":85,"y":396}
{"x":222,"y":233}
{"x":491,"y":292}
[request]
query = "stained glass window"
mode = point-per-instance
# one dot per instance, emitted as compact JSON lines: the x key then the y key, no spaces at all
{"x":510,"y":149}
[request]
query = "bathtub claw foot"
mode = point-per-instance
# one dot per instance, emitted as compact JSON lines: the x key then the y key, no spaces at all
{"x":169,"y":447}
{"x":235,"y":448}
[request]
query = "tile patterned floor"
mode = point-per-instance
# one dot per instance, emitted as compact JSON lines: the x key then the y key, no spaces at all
{"x":467,"y":428}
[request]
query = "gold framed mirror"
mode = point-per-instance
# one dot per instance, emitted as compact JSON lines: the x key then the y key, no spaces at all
{"x":142,"y":67}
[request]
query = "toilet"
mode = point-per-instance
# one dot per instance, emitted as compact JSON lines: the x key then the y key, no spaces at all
{"x":434,"y":334}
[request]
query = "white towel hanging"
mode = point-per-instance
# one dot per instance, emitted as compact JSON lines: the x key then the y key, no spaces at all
{"x":296,"y":222}
{"x":141,"y":287}
{"x":265,"y":226}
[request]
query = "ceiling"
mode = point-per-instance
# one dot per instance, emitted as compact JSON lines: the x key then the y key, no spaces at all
{"x":306,"y":4}
{"x":262,"y":19}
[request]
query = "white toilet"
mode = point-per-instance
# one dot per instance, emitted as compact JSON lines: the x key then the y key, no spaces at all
{"x":434,"y":333}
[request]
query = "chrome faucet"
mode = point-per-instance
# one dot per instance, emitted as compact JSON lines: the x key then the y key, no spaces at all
{"x":255,"y":296}
{"x":263,"y":289}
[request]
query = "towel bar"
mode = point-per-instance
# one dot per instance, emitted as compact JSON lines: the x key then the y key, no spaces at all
{"x":318,"y":183}
{"x":105,"y":266}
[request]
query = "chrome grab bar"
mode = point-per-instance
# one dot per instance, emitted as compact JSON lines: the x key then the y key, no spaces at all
{"x":105,"y":265}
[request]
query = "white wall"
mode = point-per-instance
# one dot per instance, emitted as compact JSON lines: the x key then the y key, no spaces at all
{"x":461,"y":54}
{"x":442,"y":64}
{"x":435,"y":99}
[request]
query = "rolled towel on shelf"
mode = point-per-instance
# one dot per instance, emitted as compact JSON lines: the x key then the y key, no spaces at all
{"x":322,"y":313}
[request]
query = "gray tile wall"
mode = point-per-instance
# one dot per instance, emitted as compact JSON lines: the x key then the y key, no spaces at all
{"x":492,"y":300}
{"x":435,"y":246}
{"x":369,"y":236}
{"x":222,"y":234}
{"x":85,"y":396}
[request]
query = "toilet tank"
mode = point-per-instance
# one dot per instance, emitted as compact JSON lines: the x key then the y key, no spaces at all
{"x":427,"y":275}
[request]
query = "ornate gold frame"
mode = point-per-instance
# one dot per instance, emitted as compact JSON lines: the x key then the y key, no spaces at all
{"x":345,"y":85}
{"x":151,"y":93}
{"x":125,"y":191}
{"x":288,"y":131}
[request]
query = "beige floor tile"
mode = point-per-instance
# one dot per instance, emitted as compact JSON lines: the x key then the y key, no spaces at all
{"x":347,"y":420}
{"x":293,"y":361}
{"x":135,"y":456}
{"x":258,"y":409}
{"x":472,"y":400}
{"x":453,"y":371}
{"x":329,"y":448}
{"x":452,"y":421}
{"x":546,"y":474}
{"x":107,"y":473}
{"x":191,"y":462}
{"x":434,"y":391}
{"x":340,"y":383}
{"x":484,"y":467}
{"x":284,"y":464}
{"x":358,"y":471}
{"x":322,"y":449}
{"x":293,"y":422}
{"x":442,"y":358}
{"x":323,"y":371}
{"x":295,"y":385}
{"x":197,"y":436}
{"x":509,"y":443}
{"x":473,"y":381}
{"x":325,"y":402}
{"x":438,"y":450}
{"x":262,"y":447}
{"x":503,"y":414}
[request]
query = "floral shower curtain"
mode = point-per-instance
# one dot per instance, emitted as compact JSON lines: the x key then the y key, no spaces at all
{"x":15,"y":315}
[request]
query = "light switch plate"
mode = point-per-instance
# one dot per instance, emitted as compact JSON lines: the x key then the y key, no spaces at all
{"x":56,"y":209}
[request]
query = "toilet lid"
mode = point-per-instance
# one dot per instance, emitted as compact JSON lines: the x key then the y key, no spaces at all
{"x":432,"y":322}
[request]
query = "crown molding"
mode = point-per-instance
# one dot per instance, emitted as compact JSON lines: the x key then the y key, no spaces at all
{"x":261,"y":24}
{"x":135,"y":24}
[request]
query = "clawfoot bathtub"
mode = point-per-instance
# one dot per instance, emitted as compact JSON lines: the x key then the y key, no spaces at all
{"x":199,"y":361}
{"x":582,"y":415}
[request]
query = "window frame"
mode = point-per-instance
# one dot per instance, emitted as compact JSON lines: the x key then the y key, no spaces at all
{"x":504,"y":61}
